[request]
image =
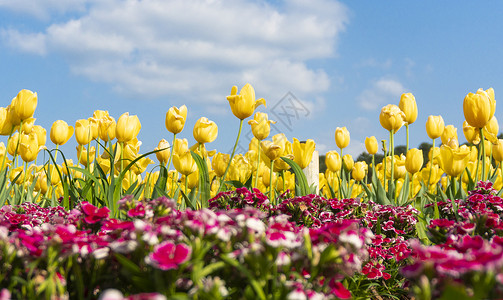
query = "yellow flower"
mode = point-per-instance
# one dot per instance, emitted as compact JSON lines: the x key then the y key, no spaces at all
{"x":240,"y":169}
{"x":449,"y":132}
{"x":371,"y":145}
{"x":83,"y":132}
{"x":359,"y":170}
{"x":17,"y":174}
{"x":348,"y":162}
{"x":25,"y":104}
{"x":303,"y":152}
{"x":28,"y":147}
{"x":107,"y":128}
{"x":436,"y":173}
{"x":219,"y":163}
{"x":491,"y":130}
{"x":82,"y":154}
{"x":175,"y":119}
{"x":409,"y":107}
{"x":163,"y":155}
{"x":399,"y":169}
{"x":5,"y":123}
{"x":27,"y":125}
{"x":205,"y":131}
{"x":471,"y":133}
{"x":266,"y":177}
{"x":391,"y":118}
{"x":478,"y":108}
{"x":435,"y":126}
{"x":60,"y":132}
{"x":12,"y":144}
{"x":271,"y":150}
{"x":41,"y":134}
{"x":453,"y":162}
{"x":414,"y":160}
{"x":127,"y":128}
{"x":244,"y":104}
{"x":184,"y":163}
{"x":261,"y":125}
{"x":180,"y":146}
{"x":342,"y":137}
{"x":498,"y":150}
{"x":333,"y":161}
{"x":41,"y":182}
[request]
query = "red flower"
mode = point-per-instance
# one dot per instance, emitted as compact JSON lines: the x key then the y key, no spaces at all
{"x":94,"y":214}
{"x":339,"y":290}
{"x":168,"y":256}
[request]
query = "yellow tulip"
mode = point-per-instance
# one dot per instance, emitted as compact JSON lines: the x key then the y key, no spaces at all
{"x":127,"y":127}
{"x":100,"y":114}
{"x":192,"y":179}
{"x":452,"y":161}
{"x":180,"y":146}
{"x":175,"y":119}
{"x":266,"y":178}
{"x":435,"y":126}
{"x":41,"y":182}
{"x":41,"y":134}
{"x":303,"y":152}
{"x":491,"y":130}
{"x":60,"y":132}
{"x":348,"y":162}
{"x":244,"y":104}
{"x":95,"y":127}
{"x":359,"y":170}
{"x":333,"y":161}
{"x":141,"y":165}
{"x":27,"y":125}
{"x":104,"y":163}
{"x":13,"y":144}
{"x":478,"y":108}
{"x":240,"y":169}
{"x":6,"y":125}
{"x":11,"y":110}
{"x":399,"y":169}
{"x":391,"y":118}
{"x":449,"y":132}
{"x":271,"y":150}
{"x":83,"y":132}
{"x":219,"y":163}
{"x":409,"y":107}
{"x":488,"y":146}
{"x":184,"y":163}
{"x":436,"y":173}
{"x":82,"y":154}
{"x":472,"y":135}
{"x":17,"y":174}
{"x":28,"y":147}
{"x":414,"y":160}
{"x":342,"y":137}
{"x":107,"y":128}
{"x":474,"y":153}
{"x":261,"y":125}
{"x":371,"y":145}
{"x":497,"y":150}
{"x":205,"y":131}
{"x":162,"y":155}
{"x":25,"y":104}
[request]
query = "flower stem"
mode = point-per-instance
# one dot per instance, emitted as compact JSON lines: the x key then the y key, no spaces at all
{"x":407,"y":132}
{"x":232,"y":155}
{"x":483,"y":159}
{"x":258,"y":164}
{"x":431,"y":162}
{"x":270,"y":184}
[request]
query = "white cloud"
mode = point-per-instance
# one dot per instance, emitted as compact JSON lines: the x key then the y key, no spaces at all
{"x":191,"y":49}
{"x":381,"y":92}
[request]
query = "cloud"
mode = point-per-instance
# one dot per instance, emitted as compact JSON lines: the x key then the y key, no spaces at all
{"x":195,"y":50}
{"x":43,"y":9}
{"x":381,"y":92}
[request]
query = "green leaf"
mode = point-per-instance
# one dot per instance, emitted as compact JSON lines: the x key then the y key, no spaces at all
{"x":204,"y":179}
{"x":300,"y":178}
{"x":160,"y":185}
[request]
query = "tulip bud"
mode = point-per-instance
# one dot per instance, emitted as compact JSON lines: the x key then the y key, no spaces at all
{"x":409,"y":107}
{"x":12,"y":144}
{"x":127,"y":127}
{"x":83,"y":132}
{"x":303,"y":152}
{"x":163,"y":155}
{"x":205,"y":131}
{"x":272,"y":151}
{"x":342,"y":137}
{"x":391,"y":118}
{"x":471,"y":133}
{"x":414,"y":160}
{"x":435,"y":126}
{"x":41,"y":182}
{"x":261,"y":125}
{"x":371,"y":145}
{"x":17,"y":175}
{"x":28,"y":147}
{"x":184,"y":163}
{"x":244,"y":104}
{"x":60,"y":132}
{"x":107,"y":128}
{"x":5,"y":123}
{"x":449,"y":132}
{"x":359,"y":170}
{"x":348,"y":162}
{"x":498,"y":150}
{"x":478,"y":108}
{"x":219,"y":163}
{"x":333,"y":161}
{"x":175,"y":119}
{"x":25,"y":104}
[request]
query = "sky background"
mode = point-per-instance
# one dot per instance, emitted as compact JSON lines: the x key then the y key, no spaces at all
{"x":319,"y":64}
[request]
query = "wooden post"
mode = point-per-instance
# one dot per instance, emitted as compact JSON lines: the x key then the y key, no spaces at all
{"x":312,"y":171}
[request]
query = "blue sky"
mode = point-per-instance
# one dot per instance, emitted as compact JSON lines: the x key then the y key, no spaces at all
{"x":338,"y":63}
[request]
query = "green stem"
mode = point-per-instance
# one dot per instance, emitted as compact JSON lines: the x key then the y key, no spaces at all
{"x":483,"y":159}
{"x":407,"y":132}
{"x":258,"y":164}
{"x":391,"y":186}
{"x":431,"y":162}
{"x":171,"y":152}
{"x":283,"y":177}
{"x":232,"y":155}
{"x":270,"y":183}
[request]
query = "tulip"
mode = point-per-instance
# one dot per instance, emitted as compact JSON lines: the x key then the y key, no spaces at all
{"x":244,"y":104}
{"x":180,"y":146}
{"x":175,"y":119}
{"x":60,"y":132}
{"x":266,"y":178}
{"x":449,"y":132}
{"x":25,"y":104}
{"x":141,"y":165}
{"x":471,"y":133}
{"x":303,"y":152}
{"x":184,"y":163}
{"x":41,"y":134}
{"x":12,"y":144}
{"x":371,"y":145}
{"x":95,"y":126}
{"x":391,"y":118}
{"x":491,"y":130}
{"x":164,"y":153}
{"x":452,"y":161}
{"x":399,"y":169}
{"x":107,"y":128}
{"x":414,"y":160}
{"x":435,"y":126}
{"x":409,"y":107}
{"x":478,"y":108}
{"x":83,"y":154}
{"x":348,"y":162}
{"x":127,"y":127}
{"x":333,"y":161}
{"x":17,"y":175}
{"x":497,"y":150}
{"x":219,"y":163}
{"x":6,"y":125}
{"x":271,"y":150}
{"x":100,"y":114}
{"x":431,"y":174}
{"x":28,"y":147}
{"x":205,"y":131}
{"x":342,"y":137}
{"x":83,"y":132}
{"x":41,"y":184}
{"x":240,"y":169}
{"x":13,"y":117}
{"x":261,"y":125}
{"x":27,"y":125}
{"x":359,"y":170}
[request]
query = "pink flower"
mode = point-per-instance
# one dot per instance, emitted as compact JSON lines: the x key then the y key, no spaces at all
{"x":339,"y":290}
{"x":168,"y":256}
{"x":94,"y":214}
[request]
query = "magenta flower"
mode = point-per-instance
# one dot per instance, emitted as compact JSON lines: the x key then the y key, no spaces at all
{"x":94,"y":214}
{"x":168,"y":256}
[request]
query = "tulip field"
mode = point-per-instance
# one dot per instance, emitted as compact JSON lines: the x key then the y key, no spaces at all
{"x":182,"y":222}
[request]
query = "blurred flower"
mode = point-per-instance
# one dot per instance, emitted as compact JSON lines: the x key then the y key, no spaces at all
{"x":127,"y":127}
{"x":454,"y":161}
{"x":359,"y":170}
{"x":342,"y":137}
{"x":82,"y":154}
{"x":219,"y":163}
{"x":371,"y":145}
{"x":303,"y":152}
{"x":449,"y":132}
{"x":60,"y":132}
{"x":414,"y":160}
{"x":333,"y":161}
{"x":497,"y":150}
{"x":266,"y":180}
{"x":107,"y":128}
{"x":167,"y":255}
{"x":244,"y":104}
{"x":28,"y":147}
{"x":25,"y":104}
{"x":391,"y":118}
{"x":348,"y":162}
{"x":184,"y":163}
{"x":175,"y":119}
{"x":479,"y":108}
{"x":205,"y":131}
{"x":471,"y":133}
{"x":261,"y":125}
{"x":409,"y":107}
{"x":162,"y":155}
{"x":17,"y":172}
{"x":435,"y":126}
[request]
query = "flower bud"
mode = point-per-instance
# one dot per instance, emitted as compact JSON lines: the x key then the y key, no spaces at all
{"x":414,"y":160}
{"x":342,"y":137}
{"x":409,"y":107}
{"x":391,"y":118}
{"x":333,"y":161}
{"x":371,"y":145}
{"x":359,"y":170}
{"x":435,"y":126}
{"x":175,"y":119}
{"x":60,"y":132}
{"x":127,"y":127}
{"x":205,"y":131}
